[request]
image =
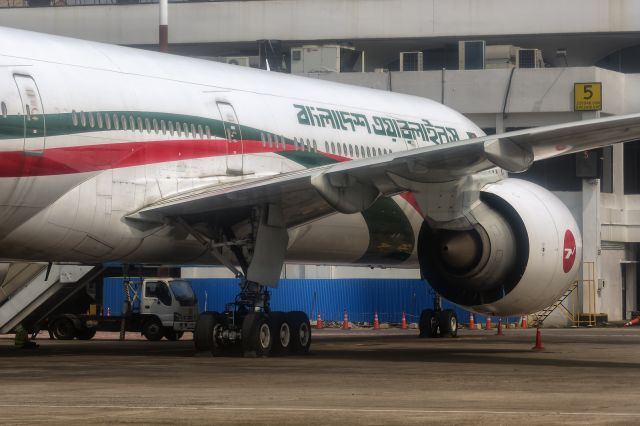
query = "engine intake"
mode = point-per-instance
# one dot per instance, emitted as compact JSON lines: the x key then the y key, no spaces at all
{"x":512,"y":260}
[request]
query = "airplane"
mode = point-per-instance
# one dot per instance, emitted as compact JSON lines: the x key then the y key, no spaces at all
{"x":113,"y":154}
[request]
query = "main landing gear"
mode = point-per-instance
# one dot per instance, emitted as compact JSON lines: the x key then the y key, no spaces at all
{"x":438,"y":322}
{"x":248,"y":325}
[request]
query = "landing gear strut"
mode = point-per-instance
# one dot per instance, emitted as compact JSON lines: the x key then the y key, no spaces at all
{"x":248,"y":325}
{"x":438,"y":322}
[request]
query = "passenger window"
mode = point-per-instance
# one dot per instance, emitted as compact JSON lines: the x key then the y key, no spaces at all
{"x":99,"y":118}
{"x":163,"y":126}
{"x":200,"y":131}
{"x":147,"y":125}
{"x":379,"y":151}
{"x":333,"y":148}
{"x":185,"y":129}
{"x":355,"y":148}
{"x":264,"y":143}
{"x":107,"y":121}
{"x":171,"y":130}
{"x":315,"y":146}
{"x":178,"y":129}
{"x":339,"y":149}
{"x":193,"y":130}
{"x":155,"y":126}
{"x":83,"y":119}
{"x":3,"y":107}
{"x":74,"y":114}
{"x":368,"y":152}
{"x":116,"y":122}
{"x":124,"y":122}
{"x":208,"y":130}
{"x":132,"y":123}
{"x":91,"y":122}
{"x":140,"y":128}
{"x":350,"y":150}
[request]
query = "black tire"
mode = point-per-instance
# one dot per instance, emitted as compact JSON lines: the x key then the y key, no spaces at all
{"x":153,"y":330}
{"x":448,"y":323}
{"x":86,"y":333}
{"x":428,"y":324}
{"x":257,"y":338}
{"x":300,"y":332}
{"x":63,"y":329}
{"x":204,"y":335}
{"x":281,"y":332}
{"x":171,"y":334}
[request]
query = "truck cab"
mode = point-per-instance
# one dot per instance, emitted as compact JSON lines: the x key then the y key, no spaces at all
{"x":171,"y":301}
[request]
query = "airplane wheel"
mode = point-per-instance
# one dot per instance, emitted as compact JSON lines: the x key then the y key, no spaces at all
{"x":301,"y":332}
{"x":207,"y":328}
{"x":281,"y":331}
{"x":448,"y":323}
{"x":428,"y":323}
{"x":257,"y":338}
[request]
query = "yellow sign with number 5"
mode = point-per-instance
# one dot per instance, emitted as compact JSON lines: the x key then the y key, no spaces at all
{"x":587,"y":97}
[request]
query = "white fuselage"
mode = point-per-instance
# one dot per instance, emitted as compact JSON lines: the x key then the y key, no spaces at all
{"x":69,"y":174}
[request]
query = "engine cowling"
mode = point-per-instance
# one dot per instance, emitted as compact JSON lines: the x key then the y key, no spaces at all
{"x":520,"y":256}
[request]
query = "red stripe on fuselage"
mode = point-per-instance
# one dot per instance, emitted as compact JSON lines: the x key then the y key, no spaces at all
{"x":91,"y":158}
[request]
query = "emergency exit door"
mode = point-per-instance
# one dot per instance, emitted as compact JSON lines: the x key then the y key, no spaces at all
{"x":33,"y":115}
{"x":233,"y":135}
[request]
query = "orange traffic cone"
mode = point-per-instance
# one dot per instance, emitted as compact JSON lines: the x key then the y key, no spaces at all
{"x":538,"y":346}
{"x":376,"y":322}
{"x":345,"y":321}
{"x":500,"y":333}
{"x":319,"y":323}
{"x":472,"y":322}
{"x":489,"y":326}
{"x":634,"y":321}
{"x":403,"y":324}
{"x":523,"y":324}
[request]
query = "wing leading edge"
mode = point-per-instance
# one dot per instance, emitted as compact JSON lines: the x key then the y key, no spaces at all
{"x":351,"y":186}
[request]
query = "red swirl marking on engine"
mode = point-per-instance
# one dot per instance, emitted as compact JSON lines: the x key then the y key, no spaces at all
{"x":569,"y":252}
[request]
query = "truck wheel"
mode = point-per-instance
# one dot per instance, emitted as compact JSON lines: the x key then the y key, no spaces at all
{"x":63,"y":329}
{"x":207,"y":328}
{"x":172,"y":335}
{"x":86,"y":333}
{"x":257,"y":338}
{"x":152,"y":330}
{"x":300,"y":332}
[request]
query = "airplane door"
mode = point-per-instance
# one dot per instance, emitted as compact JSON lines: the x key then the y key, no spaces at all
{"x":233,"y":134}
{"x":33,"y":115}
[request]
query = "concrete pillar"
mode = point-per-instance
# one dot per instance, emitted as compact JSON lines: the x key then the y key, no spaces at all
{"x":499,"y":123}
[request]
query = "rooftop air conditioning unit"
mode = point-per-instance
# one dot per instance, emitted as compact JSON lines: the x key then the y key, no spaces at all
{"x":501,"y":56}
{"x":471,"y":54}
{"x":238,"y":60}
{"x":530,"y":58}
{"x":411,"y":61}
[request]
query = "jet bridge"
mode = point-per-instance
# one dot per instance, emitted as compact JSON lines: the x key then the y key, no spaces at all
{"x":30,"y":291}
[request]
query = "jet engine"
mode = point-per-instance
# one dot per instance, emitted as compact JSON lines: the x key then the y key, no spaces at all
{"x":520,"y":254}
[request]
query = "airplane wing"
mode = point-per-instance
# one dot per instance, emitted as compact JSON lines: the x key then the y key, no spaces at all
{"x":299,"y":192}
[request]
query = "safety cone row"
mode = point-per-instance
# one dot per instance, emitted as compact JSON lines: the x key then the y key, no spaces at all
{"x":403,"y":324}
{"x":488,"y":326}
{"x":319,"y":323}
{"x":634,"y":321}
{"x":376,"y":321}
{"x":523,"y":324}
{"x":472,"y":322}
{"x":345,"y":321}
{"x":500,"y":333}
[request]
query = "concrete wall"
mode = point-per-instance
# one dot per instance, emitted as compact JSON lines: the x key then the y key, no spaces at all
{"x":237,"y":21}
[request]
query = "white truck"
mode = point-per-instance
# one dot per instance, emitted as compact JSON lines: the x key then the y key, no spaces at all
{"x":157,"y":308}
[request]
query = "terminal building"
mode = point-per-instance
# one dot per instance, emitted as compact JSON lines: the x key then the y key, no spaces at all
{"x":506,"y":64}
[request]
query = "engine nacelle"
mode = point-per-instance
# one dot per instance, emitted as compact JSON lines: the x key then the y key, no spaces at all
{"x":520,"y":256}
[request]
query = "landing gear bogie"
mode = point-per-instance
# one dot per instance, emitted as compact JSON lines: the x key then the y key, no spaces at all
{"x":438,"y":323}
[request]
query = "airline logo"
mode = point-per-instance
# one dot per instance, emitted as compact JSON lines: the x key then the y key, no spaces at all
{"x":569,"y":252}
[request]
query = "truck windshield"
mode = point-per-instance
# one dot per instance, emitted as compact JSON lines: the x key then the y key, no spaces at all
{"x":183,"y":292}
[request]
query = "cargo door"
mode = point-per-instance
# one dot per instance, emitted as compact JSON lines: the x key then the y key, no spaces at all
{"x":33,"y":115}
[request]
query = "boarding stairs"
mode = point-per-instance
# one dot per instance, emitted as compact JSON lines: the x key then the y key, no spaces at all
{"x":539,"y":317}
{"x":30,"y":290}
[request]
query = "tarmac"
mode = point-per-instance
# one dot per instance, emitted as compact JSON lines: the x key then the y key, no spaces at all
{"x":367,"y":377}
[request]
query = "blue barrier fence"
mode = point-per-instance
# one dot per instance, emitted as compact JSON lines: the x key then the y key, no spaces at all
{"x":360,"y":297}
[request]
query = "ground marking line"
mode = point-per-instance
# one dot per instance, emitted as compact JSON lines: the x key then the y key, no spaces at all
{"x":311,"y":409}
